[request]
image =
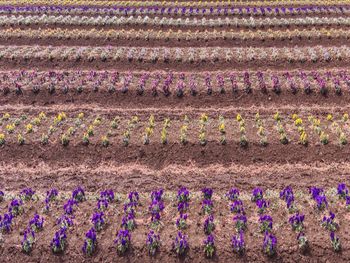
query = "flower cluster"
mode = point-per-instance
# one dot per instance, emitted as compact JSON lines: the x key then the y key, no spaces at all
{"x":288,"y":196}
{"x":51,"y":196}
{"x":329,"y":222}
{"x":180,"y":244}
{"x":123,"y":241}
{"x":27,"y":194}
{"x":319,"y":197}
{"x":156,"y":207}
{"x":90,"y":242}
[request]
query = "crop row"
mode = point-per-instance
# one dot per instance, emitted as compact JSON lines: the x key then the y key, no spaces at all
{"x":179,"y":84}
{"x":179,"y":35}
{"x":132,"y":204}
{"x":84,"y":130}
{"x":170,"y":21}
{"x":171,"y":3}
{"x":166,"y":54}
{"x":180,"y":10}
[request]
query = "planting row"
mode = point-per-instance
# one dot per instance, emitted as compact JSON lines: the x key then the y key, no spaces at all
{"x":251,"y":22}
{"x":277,"y":129}
{"x":172,"y":3}
{"x":167,"y":55}
{"x":232,"y":201}
{"x":183,"y":10}
{"x":178,"y":84}
{"x":168,"y":35}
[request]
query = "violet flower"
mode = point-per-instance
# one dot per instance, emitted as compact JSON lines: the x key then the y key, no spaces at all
{"x":265,"y":223}
{"x":329,"y":223}
{"x":157,"y":195}
{"x":262,"y":205}
{"x":335,"y":242}
{"x":152,"y":242}
{"x":180,"y":244}
{"x":269,"y":245}
{"x":69,"y":206}
{"x":98,"y":221}
{"x":27,"y":194}
{"x":207,"y":206}
{"x":342,"y":191}
{"x":209,"y":246}
{"x":16,"y":207}
{"x":107,"y":195}
{"x":209,"y":225}
{"x":238,"y":243}
{"x":183,"y":195}
{"x":297,"y":222}
{"x":233,"y":194}
{"x":240,"y":222}
{"x":58,"y":243}
{"x":123,"y":241}
{"x":36,"y":224}
{"x":237,"y":207}
{"x":207,"y":193}
{"x":128,"y":222}
{"x":6,"y":223}
{"x":78,"y":194}
{"x":28,"y":241}
{"x":90,"y":242}
{"x":181,"y":221}
{"x":257,"y":194}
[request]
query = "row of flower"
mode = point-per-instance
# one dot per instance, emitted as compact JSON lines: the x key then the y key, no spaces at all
{"x":176,"y":55}
{"x":179,"y":35}
{"x":178,"y":10}
{"x":170,"y":21}
{"x":180,"y":245}
{"x":320,"y":129}
{"x":176,"y":83}
{"x":181,"y":10}
{"x":257,"y":3}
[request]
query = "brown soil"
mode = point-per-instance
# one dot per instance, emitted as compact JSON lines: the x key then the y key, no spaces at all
{"x":144,"y":168}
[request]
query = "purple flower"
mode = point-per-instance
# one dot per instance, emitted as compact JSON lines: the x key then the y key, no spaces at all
{"x":297,"y":221}
{"x":238,"y":243}
{"x":209,"y":246}
{"x":78,"y":194}
{"x":181,"y":221}
{"x":1,"y":196}
{"x":90,"y":242}
{"x":28,"y":241}
{"x":265,"y":223}
{"x":16,"y":207}
{"x":180,"y":244}
{"x":342,"y":191}
{"x":233,"y":194}
{"x":207,"y":193}
{"x":58,"y":243}
{"x":182,"y":207}
{"x":107,"y":195}
{"x":152,"y":242}
{"x":51,"y":195}
{"x":286,"y":193}
{"x":64,"y":221}
{"x":257,"y":194}
{"x":134,"y":198}
{"x":209,"y":225}
{"x":329,"y":223}
{"x":36,"y":223}
{"x":69,"y":206}
{"x":6,"y":223}
{"x":123,"y":241}
{"x":183,"y":195}
{"x":157,"y":195}
{"x":102,"y":204}
{"x":128,"y":222}
{"x":335,"y":242}
{"x":98,"y":221}
{"x":240,"y":222}
{"x":237,"y":207}
{"x":269,"y":245}
{"x":262,"y":205}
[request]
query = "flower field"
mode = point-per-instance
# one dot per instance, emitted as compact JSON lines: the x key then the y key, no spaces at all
{"x":174,"y":131}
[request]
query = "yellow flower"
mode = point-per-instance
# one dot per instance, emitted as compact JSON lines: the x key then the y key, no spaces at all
{"x":329,"y":117}
{"x":29,"y":128}
{"x":345,"y":117}
{"x":222,"y":127}
{"x":277,"y":116}
{"x":2,"y":138}
{"x":294,"y":116}
{"x":298,"y":122}
{"x":6,"y":116}
{"x":238,"y":117}
{"x":42,"y":115}
{"x":80,"y":115}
